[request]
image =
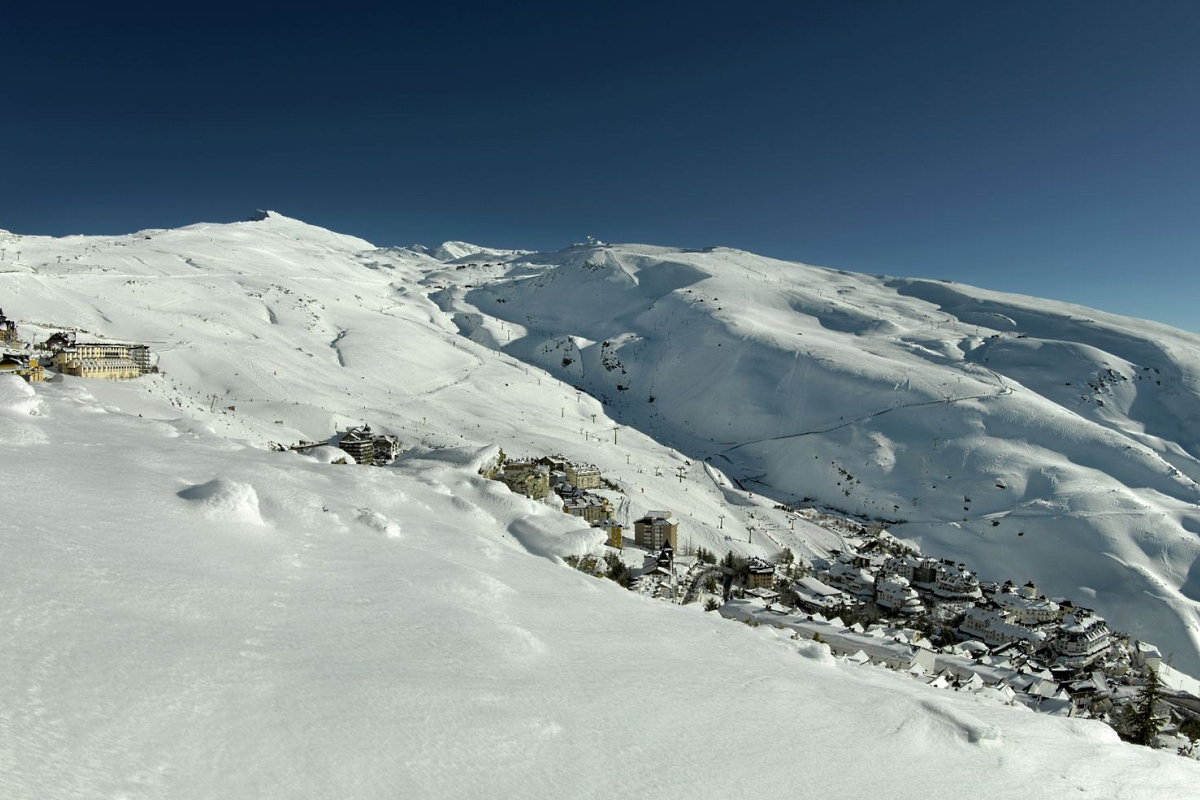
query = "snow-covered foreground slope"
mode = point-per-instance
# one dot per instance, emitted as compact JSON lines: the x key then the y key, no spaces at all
{"x":1030,"y":439}
{"x":185,"y":615}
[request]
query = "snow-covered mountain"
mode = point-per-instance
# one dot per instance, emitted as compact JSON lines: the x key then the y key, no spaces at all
{"x":1031,"y":439}
{"x":186,"y":614}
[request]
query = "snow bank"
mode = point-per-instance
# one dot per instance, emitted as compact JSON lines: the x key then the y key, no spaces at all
{"x":542,"y":538}
{"x":379,"y":523}
{"x":815,"y":651}
{"x":329,"y":455}
{"x":17,"y":396}
{"x":226,"y":500}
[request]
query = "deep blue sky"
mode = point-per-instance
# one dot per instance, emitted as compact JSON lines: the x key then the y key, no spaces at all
{"x":1050,"y":148}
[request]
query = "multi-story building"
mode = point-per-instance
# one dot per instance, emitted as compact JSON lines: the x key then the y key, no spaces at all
{"x":1028,"y":610}
{"x":387,"y":447}
{"x":857,"y":582}
{"x":368,"y":447}
{"x":760,"y":574}
{"x":359,"y":443}
{"x":956,"y":582}
{"x":140,"y":354}
{"x":1082,"y":639}
{"x":590,"y":507}
{"x":655,"y":528}
{"x":583,"y":476}
{"x":110,"y":360}
{"x":995,"y":627}
{"x":814,"y":596}
{"x":612,"y":528}
{"x":915,"y":569}
{"x":896,"y":594}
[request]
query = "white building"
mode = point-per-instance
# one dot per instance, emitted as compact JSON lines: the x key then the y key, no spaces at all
{"x":996,"y":627}
{"x":1147,"y":656}
{"x":896,"y":593}
{"x":956,"y":582}
{"x":857,"y":582}
{"x":1082,"y":639}
{"x":915,"y":569}
{"x":1028,"y":610}
{"x":814,"y":596}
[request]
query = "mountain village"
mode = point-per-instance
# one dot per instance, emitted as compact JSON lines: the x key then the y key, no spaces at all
{"x":881,"y":602}
{"x":69,"y":356}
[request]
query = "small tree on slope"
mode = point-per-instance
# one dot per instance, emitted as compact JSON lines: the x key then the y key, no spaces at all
{"x":1139,"y":723}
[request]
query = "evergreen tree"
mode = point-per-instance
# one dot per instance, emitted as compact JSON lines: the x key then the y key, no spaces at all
{"x":1139,"y":724}
{"x":617,"y":570}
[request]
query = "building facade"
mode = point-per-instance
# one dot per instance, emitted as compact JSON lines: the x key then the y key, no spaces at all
{"x":368,"y":447}
{"x":583,"y":476}
{"x":760,"y":574}
{"x":526,"y":477}
{"x":590,"y":507}
{"x":27,"y":368}
{"x":896,"y":593}
{"x":655,"y":529}
{"x":1082,"y":639}
{"x":106,"y":360}
{"x":613,"y":529}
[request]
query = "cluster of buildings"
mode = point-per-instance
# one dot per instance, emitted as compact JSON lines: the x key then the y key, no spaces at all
{"x":910,"y":586}
{"x":23,"y":366}
{"x":536,"y":478}
{"x":573,"y":482}
{"x":966,"y":667}
{"x":930,"y":618}
{"x":1007,"y":674}
{"x":1007,"y":642}
{"x":108,"y":360}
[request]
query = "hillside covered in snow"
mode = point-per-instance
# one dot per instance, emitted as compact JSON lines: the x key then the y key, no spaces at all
{"x":1030,"y":439}
{"x":187,"y":614}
